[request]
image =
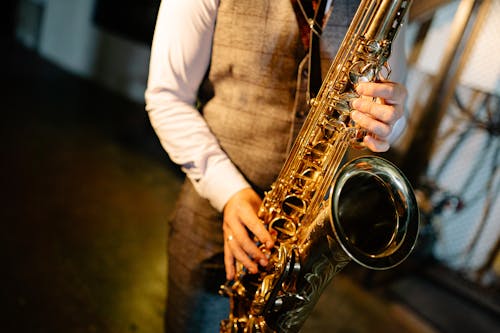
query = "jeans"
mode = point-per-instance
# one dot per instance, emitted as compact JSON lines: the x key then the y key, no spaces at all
{"x":210,"y":309}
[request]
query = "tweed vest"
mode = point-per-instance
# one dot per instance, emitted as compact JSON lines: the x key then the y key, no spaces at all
{"x":258,"y":98}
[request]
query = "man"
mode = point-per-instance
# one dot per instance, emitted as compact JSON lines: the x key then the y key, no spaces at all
{"x":225,"y":95}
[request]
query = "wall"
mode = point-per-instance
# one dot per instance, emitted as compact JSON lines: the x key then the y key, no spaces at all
{"x":68,"y":37}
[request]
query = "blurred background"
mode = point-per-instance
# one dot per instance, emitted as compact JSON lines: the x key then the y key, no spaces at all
{"x":87,"y":189}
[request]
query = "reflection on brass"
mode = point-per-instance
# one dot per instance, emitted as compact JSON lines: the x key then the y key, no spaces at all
{"x":324,"y":217}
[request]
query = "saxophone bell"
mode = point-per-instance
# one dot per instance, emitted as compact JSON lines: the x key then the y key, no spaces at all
{"x":369,"y":216}
{"x":374,"y":213}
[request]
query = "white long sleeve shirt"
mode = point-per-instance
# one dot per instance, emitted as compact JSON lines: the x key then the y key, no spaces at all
{"x":180,"y":56}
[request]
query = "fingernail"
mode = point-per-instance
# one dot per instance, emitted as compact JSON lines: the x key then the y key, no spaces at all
{"x":269,"y":244}
{"x":263,"y":262}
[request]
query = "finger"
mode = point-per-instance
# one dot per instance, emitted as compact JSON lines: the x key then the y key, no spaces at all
{"x":385,"y":113}
{"x":257,"y":227}
{"x":379,"y":129}
{"x":228,"y":261}
{"x":376,"y":144}
{"x":391,"y":92}
{"x":246,"y":244}
{"x":239,"y":254}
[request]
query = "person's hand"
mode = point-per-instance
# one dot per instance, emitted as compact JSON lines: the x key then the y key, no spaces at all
{"x":240,"y":218}
{"x":381,"y":104}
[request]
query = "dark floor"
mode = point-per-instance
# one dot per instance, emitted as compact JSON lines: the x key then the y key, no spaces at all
{"x":86,"y":194}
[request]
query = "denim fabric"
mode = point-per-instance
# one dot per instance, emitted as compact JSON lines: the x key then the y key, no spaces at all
{"x":210,"y":310}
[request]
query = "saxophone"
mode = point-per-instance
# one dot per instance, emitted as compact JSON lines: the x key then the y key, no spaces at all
{"x":324,"y":217}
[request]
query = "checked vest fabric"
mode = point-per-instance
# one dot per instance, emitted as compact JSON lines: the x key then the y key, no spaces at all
{"x":257,"y":101}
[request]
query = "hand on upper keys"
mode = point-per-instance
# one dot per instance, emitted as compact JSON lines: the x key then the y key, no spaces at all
{"x":380,"y":105}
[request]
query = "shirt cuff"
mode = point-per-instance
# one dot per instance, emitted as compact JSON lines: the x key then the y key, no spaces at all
{"x":398,"y":129}
{"x":220,"y":183}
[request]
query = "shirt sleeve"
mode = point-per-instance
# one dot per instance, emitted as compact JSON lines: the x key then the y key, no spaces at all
{"x":180,"y":55}
{"x":398,"y":64}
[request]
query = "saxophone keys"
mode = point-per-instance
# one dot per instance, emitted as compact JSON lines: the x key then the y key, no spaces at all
{"x":361,"y":71}
{"x":373,"y":47}
{"x":357,"y":137}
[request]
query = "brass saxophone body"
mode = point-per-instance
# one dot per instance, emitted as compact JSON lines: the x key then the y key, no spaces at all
{"x":324,"y":217}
